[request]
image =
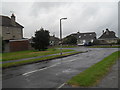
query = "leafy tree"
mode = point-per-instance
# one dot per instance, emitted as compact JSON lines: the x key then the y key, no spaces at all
{"x":71,"y":40}
{"x":41,"y":39}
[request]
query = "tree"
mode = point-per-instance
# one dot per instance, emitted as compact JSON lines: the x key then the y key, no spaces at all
{"x":71,"y":40}
{"x":41,"y":39}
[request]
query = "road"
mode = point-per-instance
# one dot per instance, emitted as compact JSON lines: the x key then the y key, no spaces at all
{"x":54,"y":73}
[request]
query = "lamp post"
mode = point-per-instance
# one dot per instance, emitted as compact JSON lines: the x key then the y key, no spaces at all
{"x":61,"y":34}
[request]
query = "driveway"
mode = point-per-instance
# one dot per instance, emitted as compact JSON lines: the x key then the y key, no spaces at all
{"x":54,"y":73}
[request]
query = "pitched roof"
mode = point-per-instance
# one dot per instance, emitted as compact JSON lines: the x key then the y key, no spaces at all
{"x":107,"y":34}
{"x":88,"y":35}
{"x":6,"y":21}
{"x":53,"y":38}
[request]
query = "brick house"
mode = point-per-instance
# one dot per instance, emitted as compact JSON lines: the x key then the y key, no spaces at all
{"x":12,"y":34}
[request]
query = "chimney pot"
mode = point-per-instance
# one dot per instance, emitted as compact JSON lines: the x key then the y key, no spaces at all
{"x":13,"y":19}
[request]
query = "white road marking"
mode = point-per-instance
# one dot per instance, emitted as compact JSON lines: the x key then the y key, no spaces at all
{"x":61,"y":85}
{"x":48,"y":67}
{"x":39,"y":69}
{"x":72,"y":60}
{"x":30,"y":72}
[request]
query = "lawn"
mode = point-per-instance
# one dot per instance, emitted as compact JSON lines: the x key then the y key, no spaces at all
{"x":95,"y":73}
{"x":67,"y":46}
{"x":108,"y":46}
{"x":30,"y":53}
{"x":6,"y":65}
{"x":0,"y":56}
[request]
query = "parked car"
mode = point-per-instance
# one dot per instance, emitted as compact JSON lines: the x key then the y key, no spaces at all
{"x":88,"y":44}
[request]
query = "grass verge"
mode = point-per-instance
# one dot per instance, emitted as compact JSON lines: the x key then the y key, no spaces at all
{"x":30,"y":53}
{"x":13,"y":64}
{"x":95,"y":73}
{"x":104,"y":46}
{"x":67,"y":46}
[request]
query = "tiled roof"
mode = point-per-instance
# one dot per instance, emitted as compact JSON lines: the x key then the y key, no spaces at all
{"x":6,"y":21}
{"x":107,"y":34}
{"x":88,"y":35}
{"x":53,"y":38}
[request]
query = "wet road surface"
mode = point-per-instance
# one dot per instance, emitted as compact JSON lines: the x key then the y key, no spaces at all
{"x":54,"y":73}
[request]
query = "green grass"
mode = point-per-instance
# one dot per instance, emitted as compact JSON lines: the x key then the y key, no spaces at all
{"x":104,"y":46}
{"x":95,"y":73}
{"x":6,"y":65}
{"x":67,"y":46}
{"x":30,"y":53}
{"x":0,"y":56}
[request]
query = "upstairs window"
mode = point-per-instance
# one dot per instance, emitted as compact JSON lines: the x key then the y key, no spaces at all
{"x":8,"y":33}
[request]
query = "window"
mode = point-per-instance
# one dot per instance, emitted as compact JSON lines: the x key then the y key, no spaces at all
{"x":84,"y":41}
{"x":91,"y":40}
{"x":18,"y":32}
{"x":13,"y":36}
{"x":79,"y":36}
{"x":8,"y":33}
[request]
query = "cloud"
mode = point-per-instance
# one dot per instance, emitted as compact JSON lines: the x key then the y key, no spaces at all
{"x":82,"y":16}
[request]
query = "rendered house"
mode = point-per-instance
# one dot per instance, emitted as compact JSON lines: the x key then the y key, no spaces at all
{"x":54,"y":40}
{"x":10,"y":28}
{"x":108,"y":37}
{"x":83,"y":38}
{"x":12,"y":34}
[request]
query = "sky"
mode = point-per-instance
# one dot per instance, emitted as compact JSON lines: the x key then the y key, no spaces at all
{"x":83,"y":16}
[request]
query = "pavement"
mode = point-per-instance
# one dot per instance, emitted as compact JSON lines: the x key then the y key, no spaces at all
{"x":33,"y":57}
{"x":82,"y":49}
{"x":54,"y":73}
{"x":109,"y":81}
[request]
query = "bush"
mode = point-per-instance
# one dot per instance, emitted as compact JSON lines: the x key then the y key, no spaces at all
{"x":41,"y":39}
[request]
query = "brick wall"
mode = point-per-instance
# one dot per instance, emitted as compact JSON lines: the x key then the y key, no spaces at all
{"x":19,"y":45}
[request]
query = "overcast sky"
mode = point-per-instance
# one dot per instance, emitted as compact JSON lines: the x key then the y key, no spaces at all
{"x":81,"y":16}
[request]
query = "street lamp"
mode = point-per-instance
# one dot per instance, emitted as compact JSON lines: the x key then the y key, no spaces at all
{"x":61,"y":34}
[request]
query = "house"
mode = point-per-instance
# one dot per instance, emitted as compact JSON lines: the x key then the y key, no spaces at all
{"x":54,"y":41}
{"x":83,"y":38}
{"x":10,"y":28}
{"x":108,"y":37}
{"x":12,"y":34}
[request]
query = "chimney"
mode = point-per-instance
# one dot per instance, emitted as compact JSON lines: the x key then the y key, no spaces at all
{"x":53,"y":35}
{"x":107,"y":31}
{"x":78,"y":32}
{"x":103,"y":31}
{"x":13,"y":20}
